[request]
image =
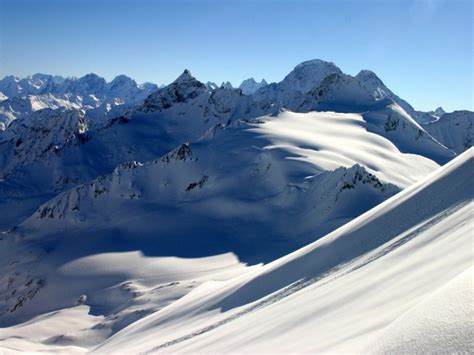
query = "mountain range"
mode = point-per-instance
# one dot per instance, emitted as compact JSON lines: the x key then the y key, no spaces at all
{"x":173,"y":218}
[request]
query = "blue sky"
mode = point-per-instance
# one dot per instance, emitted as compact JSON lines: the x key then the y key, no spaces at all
{"x":422,"y":49}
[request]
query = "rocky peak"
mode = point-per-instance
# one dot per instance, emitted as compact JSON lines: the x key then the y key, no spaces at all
{"x":439,"y":112}
{"x":184,"y":88}
{"x":226,"y":85}
{"x":249,"y":86}
{"x":185,"y":77}
{"x":182,"y":153}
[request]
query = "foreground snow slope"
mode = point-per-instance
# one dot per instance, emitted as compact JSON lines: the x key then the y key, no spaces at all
{"x":379,"y":283}
{"x":126,"y":287}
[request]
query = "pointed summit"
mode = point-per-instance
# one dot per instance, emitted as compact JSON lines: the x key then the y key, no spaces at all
{"x":186,"y":87}
{"x":439,"y":112}
{"x":375,"y":86}
{"x":185,"y":77}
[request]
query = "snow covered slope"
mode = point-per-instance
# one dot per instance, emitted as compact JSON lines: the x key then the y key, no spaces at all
{"x":344,"y":93}
{"x":255,"y":189}
{"x":113,"y":212}
{"x":374,"y":85}
{"x":396,"y":279}
{"x":455,"y":130}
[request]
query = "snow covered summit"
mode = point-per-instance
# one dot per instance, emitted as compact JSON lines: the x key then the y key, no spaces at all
{"x":250,"y":86}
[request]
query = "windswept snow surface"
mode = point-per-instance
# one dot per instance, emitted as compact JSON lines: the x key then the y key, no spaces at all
{"x":329,"y":140}
{"x":379,"y":283}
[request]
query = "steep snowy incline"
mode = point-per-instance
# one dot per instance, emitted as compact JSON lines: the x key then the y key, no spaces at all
{"x":374,"y":85}
{"x":455,"y":130}
{"x":371,"y":285}
{"x":379,"y":91}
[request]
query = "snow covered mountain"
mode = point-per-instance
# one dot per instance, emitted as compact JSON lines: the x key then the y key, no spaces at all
{"x":19,"y":107}
{"x":24,"y":96}
{"x":226,"y":85}
{"x":90,"y":84}
{"x":455,"y":130}
{"x":131,"y":210}
{"x":181,"y":112}
{"x":250,"y":86}
{"x":374,"y":85}
{"x":290,"y":91}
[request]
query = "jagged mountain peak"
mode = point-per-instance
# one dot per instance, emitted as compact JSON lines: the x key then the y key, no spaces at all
{"x":249,"y":86}
{"x":439,"y":112}
{"x":184,"y":88}
{"x":227,"y":85}
{"x":186,"y":76}
{"x":186,"y":79}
